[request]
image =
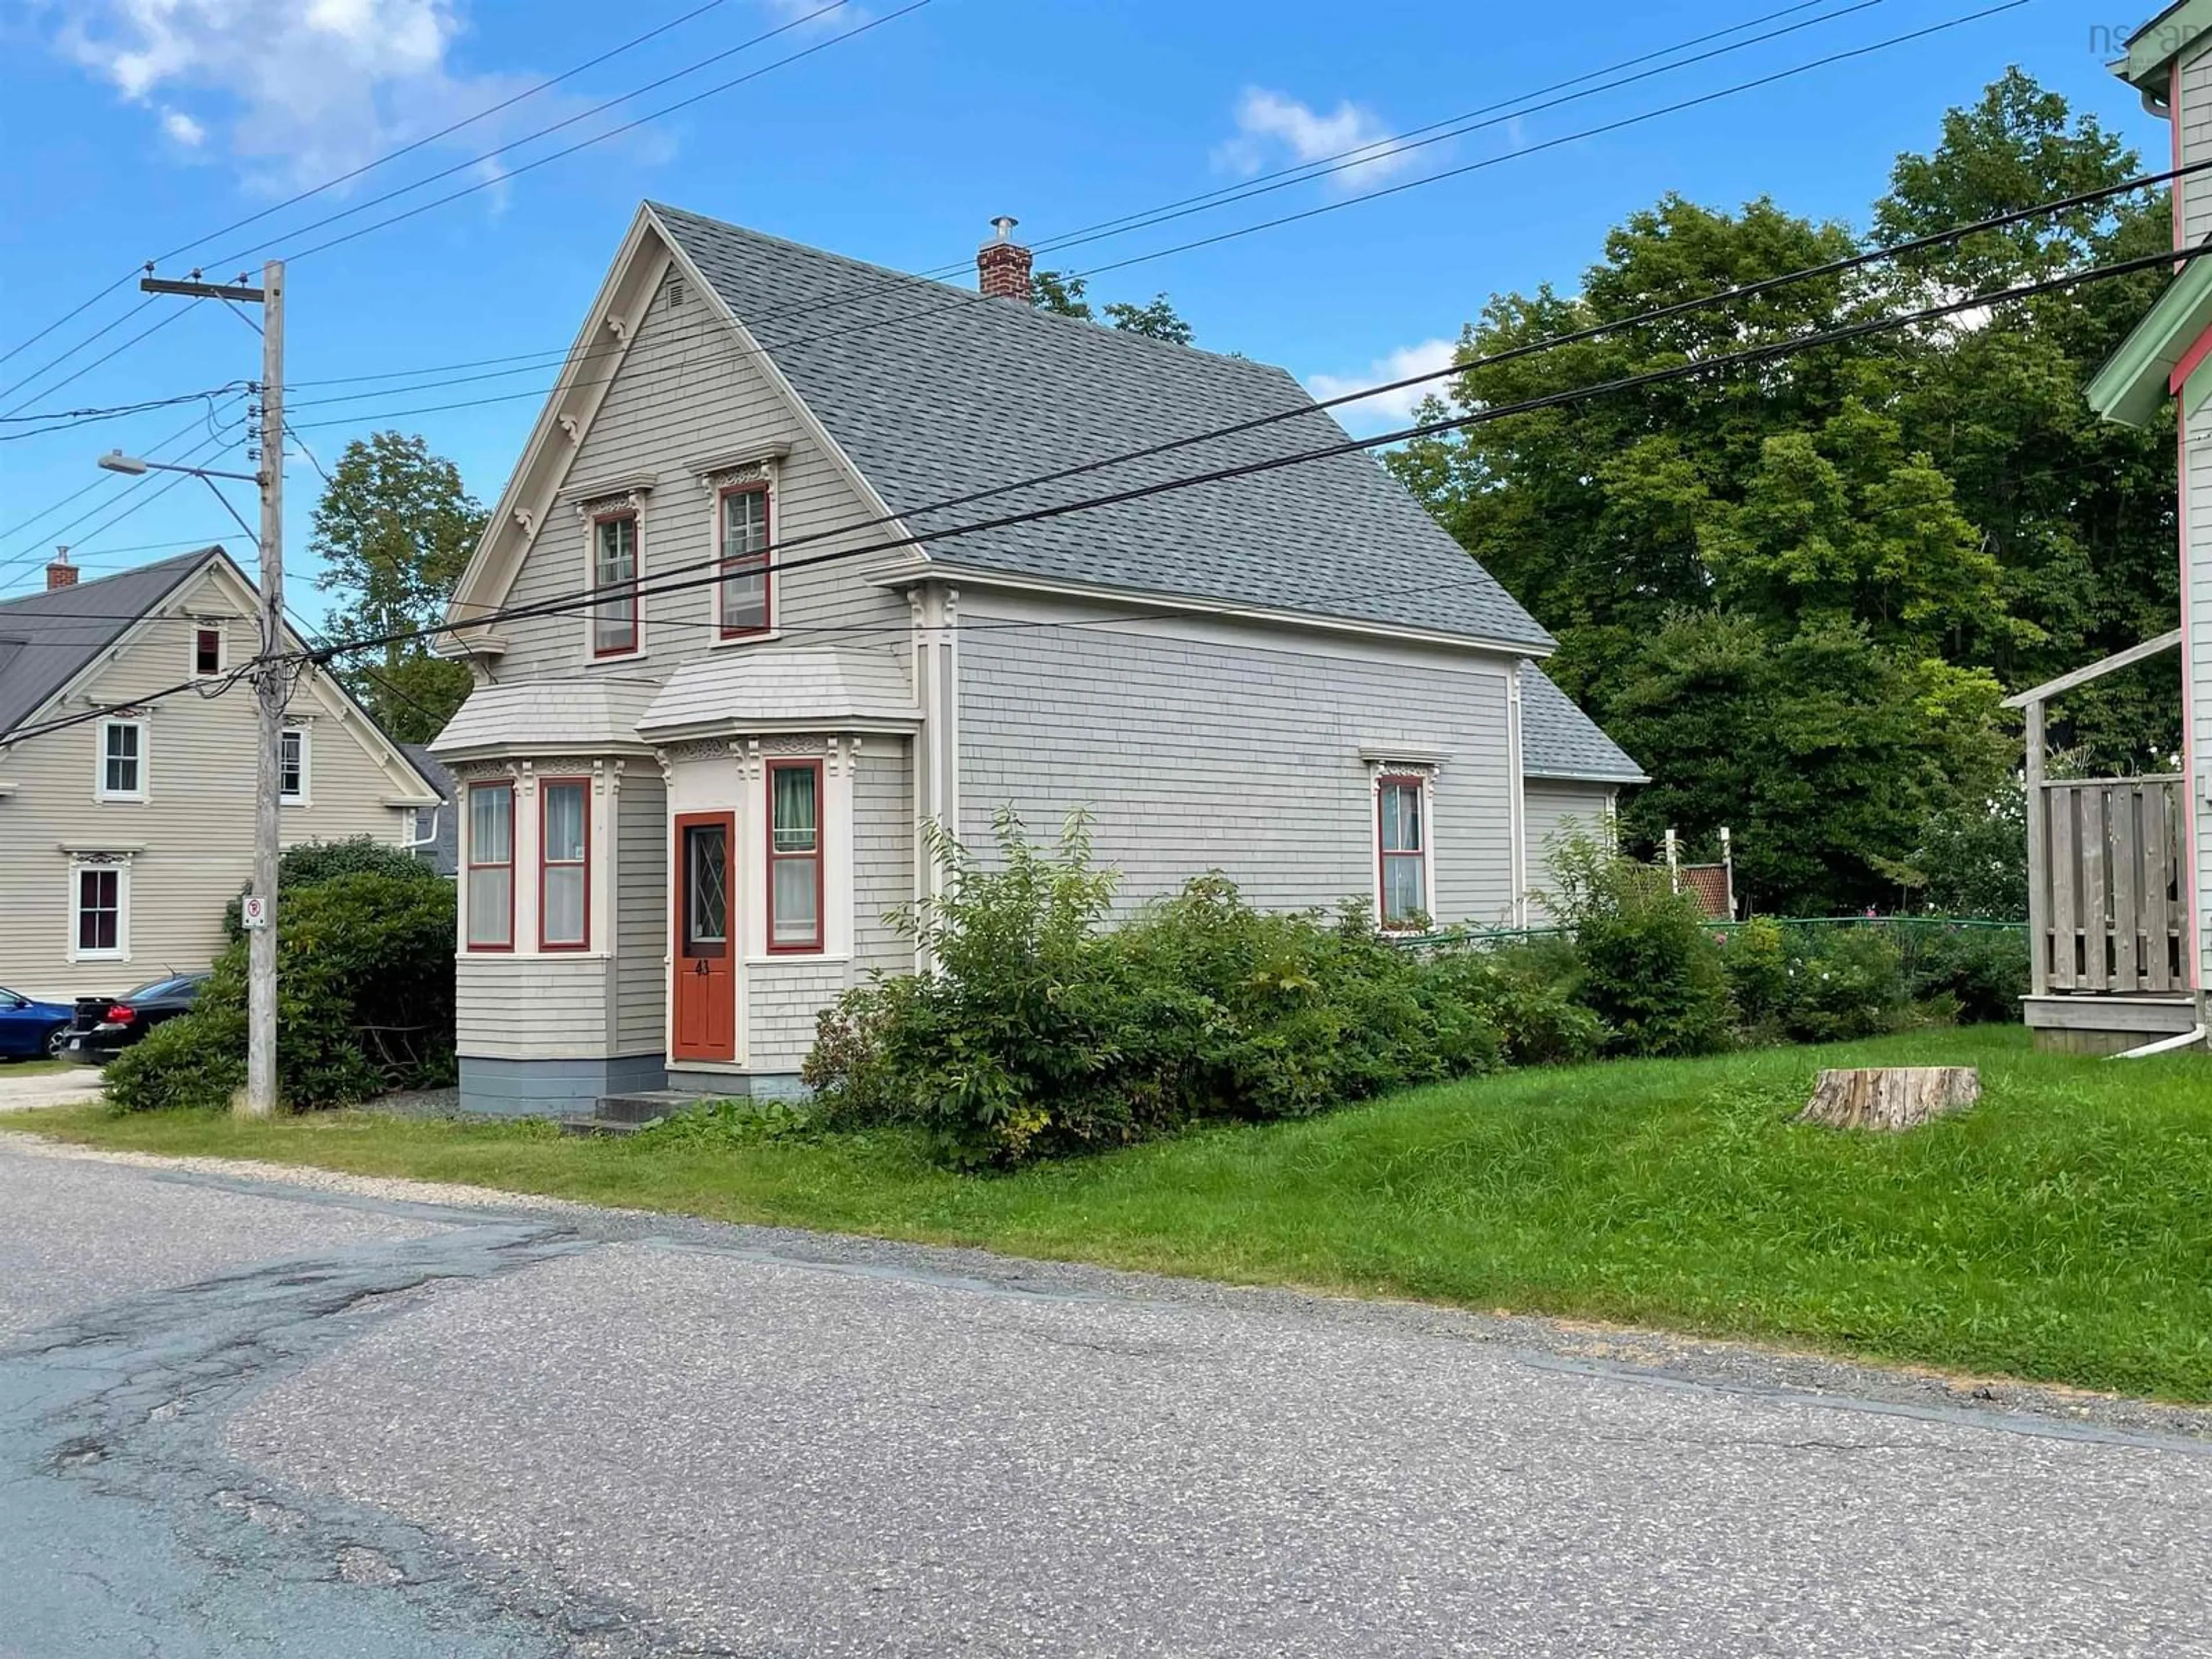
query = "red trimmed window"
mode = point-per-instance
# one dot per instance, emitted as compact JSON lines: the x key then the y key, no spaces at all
{"x":794,"y":855}
{"x":614,"y":564}
{"x":207,"y":650}
{"x":564,"y":864}
{"x":1402,"y":848}
{"x":745,"y":583}
{"x":491,"y":866}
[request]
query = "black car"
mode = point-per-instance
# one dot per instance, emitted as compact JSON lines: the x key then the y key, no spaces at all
{"x":104,"y":1025}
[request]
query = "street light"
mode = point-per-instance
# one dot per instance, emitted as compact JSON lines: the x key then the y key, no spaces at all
{"x":132,"y":466}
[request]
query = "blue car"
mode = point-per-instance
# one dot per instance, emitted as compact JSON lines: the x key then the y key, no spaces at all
{"x":31,"y":1030}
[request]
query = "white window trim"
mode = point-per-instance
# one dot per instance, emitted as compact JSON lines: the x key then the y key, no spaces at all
{"x":840,"y":761}
{"x":100,"y":791}
{"x":305,"y":794}
{"x":1425,"y":770}
{"x":591,"y":509}
{"x":121,"y":863}
{"x":200,"y":626}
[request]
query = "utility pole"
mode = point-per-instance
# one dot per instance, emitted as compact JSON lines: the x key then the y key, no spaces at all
{"x":271,"y":682}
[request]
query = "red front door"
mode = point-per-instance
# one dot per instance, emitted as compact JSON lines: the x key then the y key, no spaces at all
{"x":704,"y":995}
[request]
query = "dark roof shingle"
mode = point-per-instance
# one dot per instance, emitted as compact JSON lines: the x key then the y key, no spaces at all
{"x":935,"y":393}
{"x":1557,"y":740}
{"x":55,"y":634}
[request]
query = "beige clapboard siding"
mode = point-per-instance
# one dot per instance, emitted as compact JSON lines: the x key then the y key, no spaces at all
{"x":642,"y":906}
{"x":1552,"y":809}
{"x":1195,"y":755}
{"x":525,"y":1007}
{"x":686,"y":392}
{"x":196,"y":828}
{"x":883,"y":855}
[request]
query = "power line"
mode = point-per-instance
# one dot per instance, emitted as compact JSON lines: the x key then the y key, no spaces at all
{"x":331,"y":184}
{"x":591,"y":597}
{"x":1224,"y":196}
{"x":1840,"y":266}
{"x":959,"y":301}
{"x":196,"y":451}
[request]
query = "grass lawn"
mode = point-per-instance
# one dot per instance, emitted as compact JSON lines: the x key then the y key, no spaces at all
{"x":2061,"y":1230}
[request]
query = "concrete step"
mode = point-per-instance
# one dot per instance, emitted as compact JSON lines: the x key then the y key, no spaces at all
{"x":644,"y":1106}
{"x":588,"y":1123}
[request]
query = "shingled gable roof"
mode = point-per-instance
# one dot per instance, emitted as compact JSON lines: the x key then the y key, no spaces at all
{"x":1557,"y":740}
{"x":46,"y":640}
{"x":933,"y":392}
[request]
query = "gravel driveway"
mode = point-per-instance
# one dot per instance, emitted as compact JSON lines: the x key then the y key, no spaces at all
{"x":22,"y":1089}
{"x":489,"y":1430}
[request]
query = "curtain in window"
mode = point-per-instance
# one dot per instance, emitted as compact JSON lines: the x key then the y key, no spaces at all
{"x":562,"y":896}
{"x":1405,"y":854}
{"x":491,"y":866}
{"x":795,"y":857}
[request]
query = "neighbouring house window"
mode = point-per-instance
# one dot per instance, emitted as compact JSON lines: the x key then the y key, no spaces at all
{"x":564,"y":883}
{"x":292,"y":765}
{"x":614,"y":564}
{"x":794,"y":855}
{"x":207,"y":650}
{"x":122,"y":759}
{"x":491,"y":866}
{"x":1402,"y":838}
{"x":744,"y":561}
{"x":99,"y":894}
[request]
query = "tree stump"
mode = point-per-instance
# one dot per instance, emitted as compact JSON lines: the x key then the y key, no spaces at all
{"x":1891,"y":1097}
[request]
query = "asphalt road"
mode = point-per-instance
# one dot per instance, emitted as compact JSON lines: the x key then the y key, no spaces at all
{"x":239,"y":1417}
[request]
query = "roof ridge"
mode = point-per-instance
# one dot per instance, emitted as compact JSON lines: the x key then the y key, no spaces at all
{"x":114,"y":575}
{"x":953,"y":290}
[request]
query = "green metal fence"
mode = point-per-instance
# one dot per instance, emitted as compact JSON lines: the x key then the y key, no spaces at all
{"x":1472,"y":935}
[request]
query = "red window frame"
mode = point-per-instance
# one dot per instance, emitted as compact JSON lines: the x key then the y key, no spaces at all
{"x":1384,"y":783}
{"x":207,"y":650}
{"x":599,"y":610}
{"x":583,"y":786}
{"x":742,"y":564}
{"x":795,"y":947}
{"x":476,"y":864}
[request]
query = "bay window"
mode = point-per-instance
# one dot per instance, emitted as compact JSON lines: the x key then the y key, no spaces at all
{"x":491,"y":866}
{"x":564,"y":883}
{"x":794,"y":855}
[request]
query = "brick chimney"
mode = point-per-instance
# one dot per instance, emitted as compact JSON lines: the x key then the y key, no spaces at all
{"x":61,"y":573}
{"x":1002,"y":264}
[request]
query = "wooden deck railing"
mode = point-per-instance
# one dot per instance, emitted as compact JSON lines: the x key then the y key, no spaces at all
{"x":2106,"y":910}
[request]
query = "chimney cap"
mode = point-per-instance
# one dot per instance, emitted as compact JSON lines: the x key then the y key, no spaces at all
{"x":1002,"y":228}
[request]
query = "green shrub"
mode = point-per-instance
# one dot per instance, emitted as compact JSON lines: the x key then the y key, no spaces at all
{"x":1756,"y":958}
{"x":365,"y":1004}
{"x":1527,"y":994}
{"x":313,"y":862}
{"x":1848,"y":982}
{"x":1983,"y":971}
{"x":1039,"y":1033}
{"x":1649,"y":963}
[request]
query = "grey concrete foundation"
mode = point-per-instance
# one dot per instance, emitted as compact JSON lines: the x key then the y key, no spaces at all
{"x":553,"y":1088}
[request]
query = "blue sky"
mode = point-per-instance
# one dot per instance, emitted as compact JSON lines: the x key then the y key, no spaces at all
{"x":134,"y":126}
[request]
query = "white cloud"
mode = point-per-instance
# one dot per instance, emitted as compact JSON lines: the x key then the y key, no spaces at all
{"x":305,"y":91}
{"x":1387,"y":410}
{"x":1273,"y":128}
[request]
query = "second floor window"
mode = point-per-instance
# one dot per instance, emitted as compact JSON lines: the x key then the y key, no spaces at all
{"x":292,"y":765}
{"x":122,"y":759}
{"x":564,"y":884}
{"x":207,"y":650}
{"x":491,"y":866}
{"x":614,"y":564}
{"x":744,"y":561}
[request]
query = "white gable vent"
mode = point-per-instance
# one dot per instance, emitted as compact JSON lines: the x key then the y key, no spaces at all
{"x":674,"y":292}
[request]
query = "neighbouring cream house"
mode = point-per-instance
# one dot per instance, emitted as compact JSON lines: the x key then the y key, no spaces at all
{"x":125,"y":830}
{"x":689,"y":801}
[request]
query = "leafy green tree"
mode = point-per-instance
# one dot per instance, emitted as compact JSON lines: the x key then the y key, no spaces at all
{"x":1064,"y":292}
{"x":1795,"y":590}
{"x":395,"y":529}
